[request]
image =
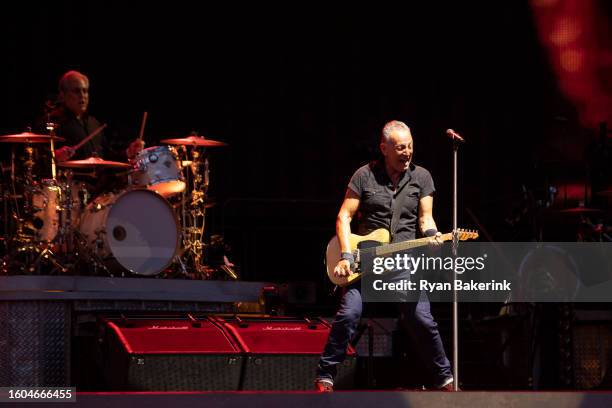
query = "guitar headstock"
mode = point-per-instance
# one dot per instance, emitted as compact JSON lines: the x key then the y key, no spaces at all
{"x":465,"y":234}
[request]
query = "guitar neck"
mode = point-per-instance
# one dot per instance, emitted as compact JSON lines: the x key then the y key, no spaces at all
{"x":402,"y":246}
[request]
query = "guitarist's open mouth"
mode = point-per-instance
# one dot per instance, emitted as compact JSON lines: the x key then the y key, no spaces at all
{"x":405,"y":163}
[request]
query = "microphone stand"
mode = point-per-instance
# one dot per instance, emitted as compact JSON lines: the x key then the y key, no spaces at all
{"x":455,"y":315}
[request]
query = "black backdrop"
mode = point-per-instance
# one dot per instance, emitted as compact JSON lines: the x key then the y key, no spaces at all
{"x":300,"y":93}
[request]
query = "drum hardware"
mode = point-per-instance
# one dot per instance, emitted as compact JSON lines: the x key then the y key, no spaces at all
{"x":44,"y":253}
{"x":193,"y":209}
{"x":47,"y":227}
{"x":38,"y":226}
{"x":51,"y":128}
{"x":93,"y":258}
{"x":193,"y":205}
{"x":5,"y":196}
{"x":158,"y":168}
{"x":217,"y":259}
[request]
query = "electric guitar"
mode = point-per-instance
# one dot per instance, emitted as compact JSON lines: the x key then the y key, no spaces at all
{"x":380,"y":239}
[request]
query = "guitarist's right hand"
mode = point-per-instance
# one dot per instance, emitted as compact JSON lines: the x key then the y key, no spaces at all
{"x":343,"y":268}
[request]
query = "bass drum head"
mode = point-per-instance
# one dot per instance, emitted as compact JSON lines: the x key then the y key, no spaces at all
{"x":142,"y":232}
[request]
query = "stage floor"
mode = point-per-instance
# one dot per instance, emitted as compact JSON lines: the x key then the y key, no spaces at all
{"x":388,"y":399}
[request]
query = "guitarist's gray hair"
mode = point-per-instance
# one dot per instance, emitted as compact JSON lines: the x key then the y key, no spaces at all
{"x":390,"y":127}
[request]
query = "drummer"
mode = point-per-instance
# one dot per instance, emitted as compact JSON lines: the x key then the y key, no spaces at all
{"x":75,"y":123}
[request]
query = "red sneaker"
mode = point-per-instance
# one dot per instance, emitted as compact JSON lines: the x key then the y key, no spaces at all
{"x":447,"y":385}
{"x":324,"y":386}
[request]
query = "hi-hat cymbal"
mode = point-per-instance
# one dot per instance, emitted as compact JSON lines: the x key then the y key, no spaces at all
{"x":29,"y":137}
{"x":94,"y":162}
{"x":194,"y":141}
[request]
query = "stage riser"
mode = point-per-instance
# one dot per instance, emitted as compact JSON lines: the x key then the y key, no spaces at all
{"x":35,"y":343}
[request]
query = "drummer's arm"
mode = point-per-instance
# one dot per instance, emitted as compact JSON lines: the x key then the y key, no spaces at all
{"x":64,"y":154}
{"x":134,"y":148}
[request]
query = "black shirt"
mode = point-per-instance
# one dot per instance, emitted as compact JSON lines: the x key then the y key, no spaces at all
{"x":74,"y":130}
{"x":377,"y":197}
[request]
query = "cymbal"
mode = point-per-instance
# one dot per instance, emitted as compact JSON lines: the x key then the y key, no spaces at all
{"x":194,"y":141}
{"x":580,"y":210}
{"x":94,"y":162}
{"x":29,"y":137}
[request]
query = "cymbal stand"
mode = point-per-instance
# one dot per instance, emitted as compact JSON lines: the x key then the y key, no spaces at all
{"x":13,"y":180}
{"x":193,"y":231}
{"x":29,"y":182}
{"x":44,"y":253}
{"x":66,"y":235}
{"x":5,"y":197}
{"x":51,"y":128}
{"x":11,"y":222}
{"x":94,"y":257}
{"x":35,"y":251}
{"x":26,"y":244}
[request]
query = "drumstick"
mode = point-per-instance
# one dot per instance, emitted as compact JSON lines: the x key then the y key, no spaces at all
{"x":88,"y":138}
{"x":142,"y":126}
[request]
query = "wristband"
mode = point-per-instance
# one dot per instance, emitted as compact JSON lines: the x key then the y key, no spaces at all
{"x":348,"y":256}
{"x":430,"y":232}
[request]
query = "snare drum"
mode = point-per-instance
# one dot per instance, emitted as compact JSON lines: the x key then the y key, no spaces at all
{"x":158,"y":168}
{"x":135,"y":229}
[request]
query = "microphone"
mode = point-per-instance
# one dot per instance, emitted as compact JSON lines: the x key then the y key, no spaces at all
{"x":454,"y":135}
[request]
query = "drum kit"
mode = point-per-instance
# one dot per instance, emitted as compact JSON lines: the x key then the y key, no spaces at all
{"x":153,"y":227}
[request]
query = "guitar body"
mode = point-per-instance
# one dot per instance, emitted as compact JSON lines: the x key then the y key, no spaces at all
{"x":379,"y":238}
{"x":332,"y":256}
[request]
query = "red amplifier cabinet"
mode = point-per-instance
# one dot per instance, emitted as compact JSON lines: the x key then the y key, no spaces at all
{"x":169,"y":354}
{"x":282,"y":353}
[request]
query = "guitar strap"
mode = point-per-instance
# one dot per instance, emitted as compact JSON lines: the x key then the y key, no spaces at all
{"x":398,"y":202}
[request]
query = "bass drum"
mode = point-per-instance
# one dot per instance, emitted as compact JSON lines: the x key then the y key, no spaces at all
{"x":135,"y":229}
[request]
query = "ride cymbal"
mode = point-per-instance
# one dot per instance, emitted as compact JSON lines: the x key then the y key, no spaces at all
{"x":194,"y":141}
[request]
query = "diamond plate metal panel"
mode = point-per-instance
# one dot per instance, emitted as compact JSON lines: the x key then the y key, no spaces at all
{"x":35,"y":339}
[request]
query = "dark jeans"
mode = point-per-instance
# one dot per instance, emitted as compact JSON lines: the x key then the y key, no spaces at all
{"x":415,"y":316}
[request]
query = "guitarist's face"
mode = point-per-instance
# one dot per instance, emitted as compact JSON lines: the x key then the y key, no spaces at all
{"x":398,"y":151}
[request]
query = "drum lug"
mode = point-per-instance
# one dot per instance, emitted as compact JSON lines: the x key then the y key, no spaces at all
{"x":99,"y":207}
